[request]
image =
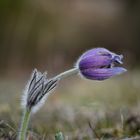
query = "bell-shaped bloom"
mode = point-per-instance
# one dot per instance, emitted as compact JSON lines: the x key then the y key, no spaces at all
{"x":100,"y":64}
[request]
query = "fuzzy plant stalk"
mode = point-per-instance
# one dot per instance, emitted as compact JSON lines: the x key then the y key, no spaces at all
{"x":67,"y":73}
{"x":95,"y":64}
{"x":35,"y":94}
{"x":24,"y":124}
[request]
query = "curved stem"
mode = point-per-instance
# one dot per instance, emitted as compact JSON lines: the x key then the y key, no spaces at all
{"x":27,"y":112}
{"x":24,"y":125}
{"x":67,"y":73}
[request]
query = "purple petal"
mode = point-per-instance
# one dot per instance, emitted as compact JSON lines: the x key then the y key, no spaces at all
{"x":94,"y":62}
{"x":95,"y":52}
{"x":102,"y":74}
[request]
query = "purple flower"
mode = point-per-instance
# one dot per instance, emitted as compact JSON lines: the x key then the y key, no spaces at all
{"x":99,"y":64}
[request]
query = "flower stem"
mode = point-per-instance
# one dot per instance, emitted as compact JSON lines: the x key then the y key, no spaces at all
{"x":27,"y":112}
{"x":24,"y":125}
{"x":67,"y":73}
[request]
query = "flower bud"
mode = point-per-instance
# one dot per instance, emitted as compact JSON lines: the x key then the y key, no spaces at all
{"x":37,"y":90}
{"x":99,"y":64}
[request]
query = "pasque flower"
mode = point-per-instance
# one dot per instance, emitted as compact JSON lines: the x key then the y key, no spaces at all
{"x":35,"y":94}
{"x":100,"y":64}
{"x":95,"y":64}
{"x":37,"y":89}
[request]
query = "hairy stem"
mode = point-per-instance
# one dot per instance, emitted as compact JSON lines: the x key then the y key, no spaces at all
{"x":24,"y":125}
{"x":67,"y":73}
{"x":27,"y":112}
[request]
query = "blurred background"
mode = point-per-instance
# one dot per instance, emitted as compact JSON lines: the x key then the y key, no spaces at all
{"x":50,"y":35}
